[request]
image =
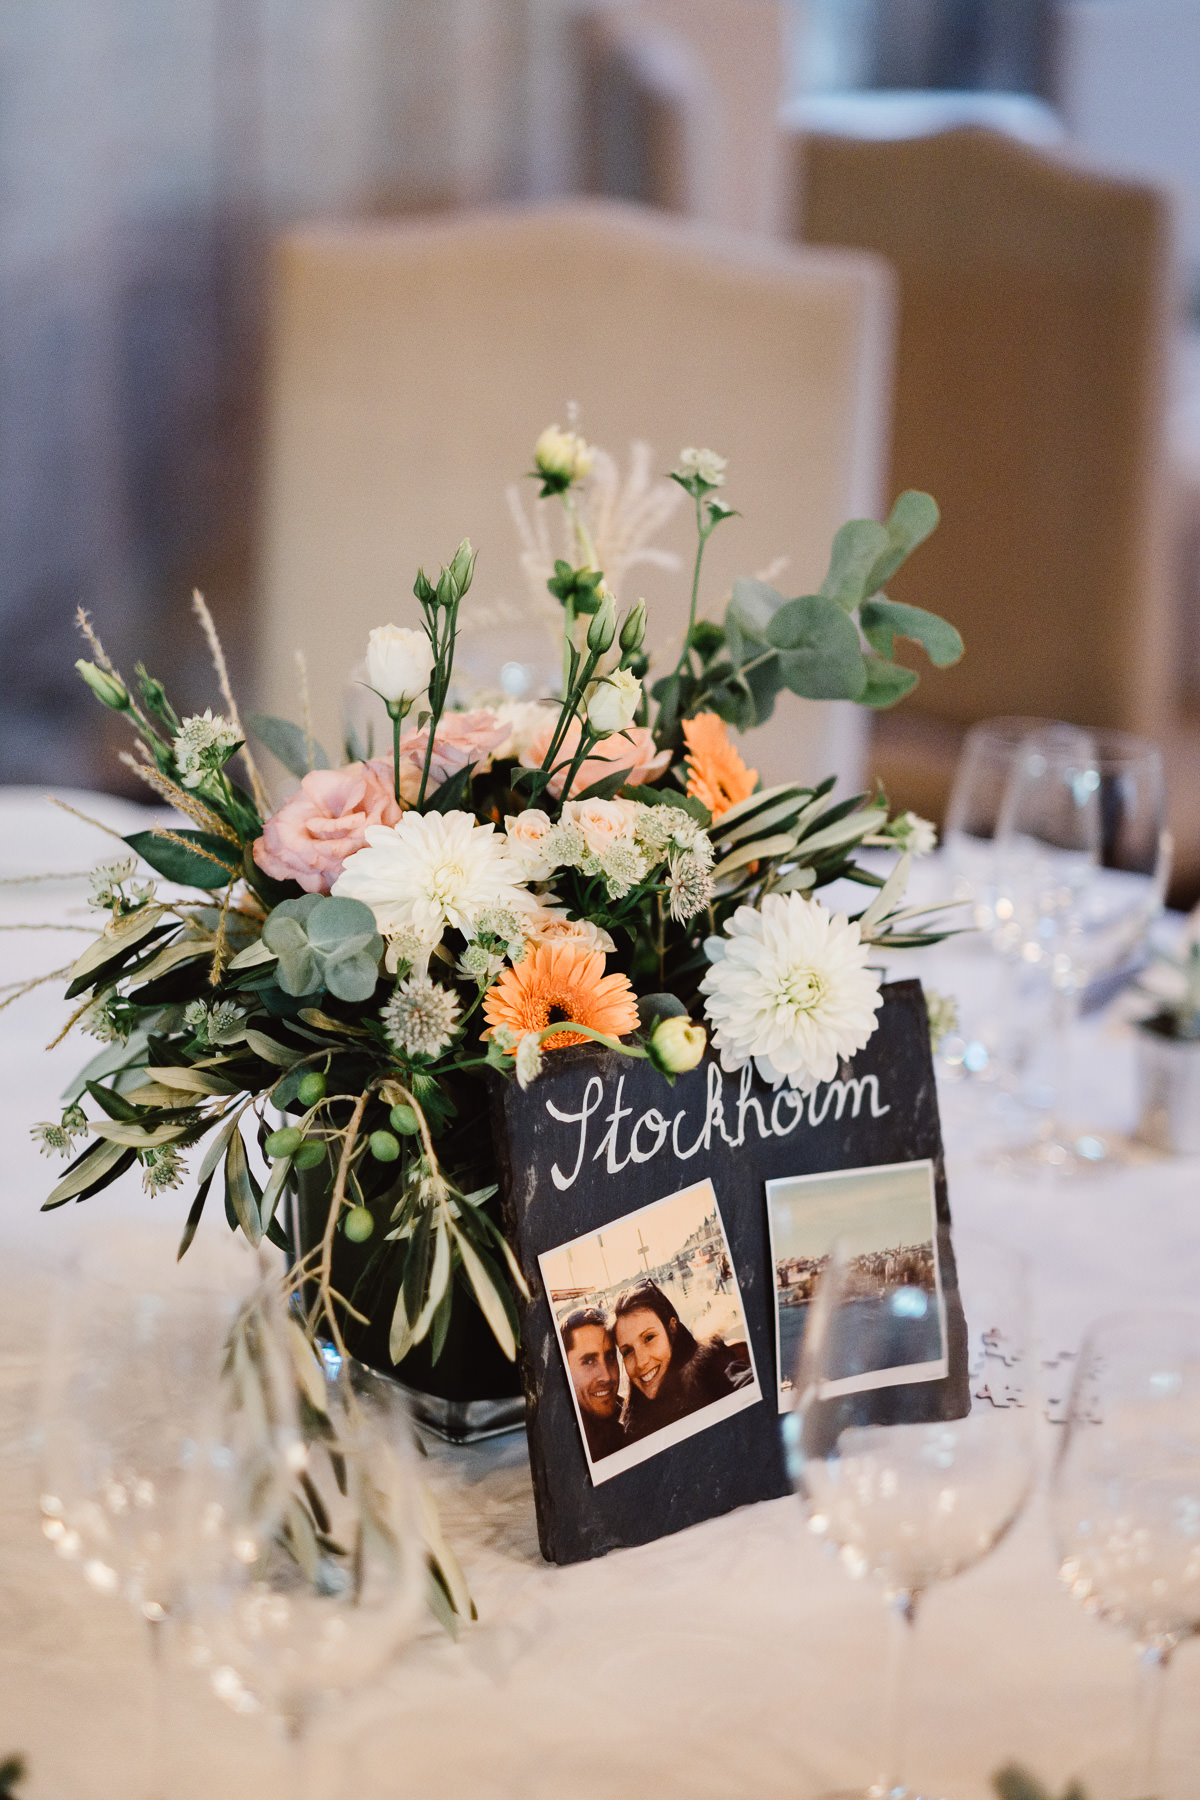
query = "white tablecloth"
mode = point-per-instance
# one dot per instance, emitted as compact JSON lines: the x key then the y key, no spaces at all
{"x":732,"y":1660}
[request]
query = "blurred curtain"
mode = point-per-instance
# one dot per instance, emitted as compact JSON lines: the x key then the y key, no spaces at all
{"x":149,"y":149}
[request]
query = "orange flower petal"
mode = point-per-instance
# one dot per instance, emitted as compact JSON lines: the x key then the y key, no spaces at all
{"x":567,"y":977}
{"x":717,"y":776}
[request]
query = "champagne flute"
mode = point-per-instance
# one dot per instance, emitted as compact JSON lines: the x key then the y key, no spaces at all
{"x":1125,"y":1500}
{"x":1084,"y":858}
{"x":893,"y":1490}
{"x":308,"y":1567}
{"x":131,"y":1369}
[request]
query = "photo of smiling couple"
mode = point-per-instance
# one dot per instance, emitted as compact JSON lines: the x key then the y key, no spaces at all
{"x":652,"y":1330}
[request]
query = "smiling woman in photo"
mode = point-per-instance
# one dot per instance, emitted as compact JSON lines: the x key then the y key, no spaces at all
{"x":669,"y":1373}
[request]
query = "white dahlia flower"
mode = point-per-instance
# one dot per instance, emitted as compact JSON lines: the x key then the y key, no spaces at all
{"x":433,"y":872}
{"x":790,"y":991}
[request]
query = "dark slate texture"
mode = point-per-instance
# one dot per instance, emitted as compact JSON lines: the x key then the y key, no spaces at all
{"x":740,"y":1459}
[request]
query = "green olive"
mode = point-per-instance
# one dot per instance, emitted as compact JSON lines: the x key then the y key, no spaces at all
{"x":310,"y":1153}
{"x":358,"y":1224}
{"x":311,"y":1089}
{"x":384,"y":1147}
{"x":284,"y":1142}
{"x":404,"y":1120}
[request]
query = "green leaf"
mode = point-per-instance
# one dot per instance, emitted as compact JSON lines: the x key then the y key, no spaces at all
{"x":819,"y":653}
{"x":209,"y":863}
{"x":605,"y":789}
{"x":352,"y":974}
{"x":113,"y":945}
{"x":887,"y":682}
{"x":452,"y":793}
{"x":752,"y":606}
{"x":857,"y":547}
{"x":113,"y":1104}
{"x":759,"y":851}
{"x":288,"y":743}
{"x":240,"y":1188}
{"x":99,"y":1164}
{"x":416,"y":1264}
{"x":193,"y":1218}
{"x":333,"y":921}
{"x":653,"y":1007}
{"x":883,"y":620}
{"x":488,"y":1293}
{"x":280,"y":1056}
{"x":912,"y":519}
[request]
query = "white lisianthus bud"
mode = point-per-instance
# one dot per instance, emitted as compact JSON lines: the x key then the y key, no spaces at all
{"x":676,"y":1044}
{"x":603,"y":628}
{"x":399,"y":663}
{"x":561,"y":457}
{"x":613,"y":702}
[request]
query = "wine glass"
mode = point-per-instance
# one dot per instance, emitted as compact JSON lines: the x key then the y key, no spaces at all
{"x":1083,"y":859}
{"x":131,"y":1368}
{"x":913,"y":1484}
{"x":308,"y":1570}
{"x":987,"y":1043}
{"x":1125,"y":1499}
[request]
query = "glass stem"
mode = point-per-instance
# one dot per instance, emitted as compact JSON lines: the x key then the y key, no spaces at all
{"x":295,"y":1732}
{"x":1064,"y":1012}
{"x":1153,"y":1661}
{"x":156,"y":1735}
{"x":903,"y":1610}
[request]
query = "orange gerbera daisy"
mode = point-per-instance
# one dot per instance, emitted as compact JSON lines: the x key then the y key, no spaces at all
{"x":717,"y":776}
{"x":567,"y":979}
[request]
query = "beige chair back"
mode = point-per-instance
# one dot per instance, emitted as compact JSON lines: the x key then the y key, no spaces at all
{"x":414,"y":365}
{"x":1034,"y":308}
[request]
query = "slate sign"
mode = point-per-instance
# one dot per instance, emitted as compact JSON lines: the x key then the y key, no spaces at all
{"x":619,"y":1189}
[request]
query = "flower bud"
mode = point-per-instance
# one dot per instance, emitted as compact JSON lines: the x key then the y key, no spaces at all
{"x":703,"y":467}
{"x":399,"y":663}
{"x":613,"y":702}
{"x":676,"y":1044}
{"x":462,"y":568}
{"x":603,"y":628}
{"x":560,"y":458}
{"x":633,"y":628}
{"x":109,"y":689}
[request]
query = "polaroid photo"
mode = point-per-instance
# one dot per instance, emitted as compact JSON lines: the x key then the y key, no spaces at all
{"x":652,"y":1329}
{"x":886,"y":1217}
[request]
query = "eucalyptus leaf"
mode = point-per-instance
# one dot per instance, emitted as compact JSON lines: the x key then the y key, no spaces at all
{"x":887,"y":682}
{"x":336,"y":921}
{"x":884,"y":620}
{"x":288,"y":743}
{"x":857,"y":547}
{"x":912,"y":519}
{"x":752,"y":606}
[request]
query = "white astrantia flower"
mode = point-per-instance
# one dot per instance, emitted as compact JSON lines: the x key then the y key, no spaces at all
{"x":431,"y":873}
{"x":420,"y":1017}
{"x":789,"y":990}
{"x":399,"y":663}
{"x":203,"y":746}
{"x":912,"y":833}
{"x":705,"y":463}
{"x":530,"y":1057}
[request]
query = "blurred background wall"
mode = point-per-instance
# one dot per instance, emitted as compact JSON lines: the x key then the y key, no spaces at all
{"x":151,"y":150}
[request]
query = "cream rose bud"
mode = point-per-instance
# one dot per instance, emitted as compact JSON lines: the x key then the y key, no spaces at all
{"x":600,"y":822}
{"x":525,"y":834}
{"x":399,"y":663}
{"x":613,"y":702}
{"x":677,"y":1044}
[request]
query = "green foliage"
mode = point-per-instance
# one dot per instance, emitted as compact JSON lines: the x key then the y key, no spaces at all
{"x":206,"y":862}
{"x":293,"y":747}
{"x":1015,"y":1783}
{"x":576,"y":589}
{"x":836,"y":644}
{"x":12,"y":1770}
{"x":325,"y":943}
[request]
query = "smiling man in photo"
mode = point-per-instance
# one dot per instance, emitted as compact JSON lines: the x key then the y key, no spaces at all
{"x":592,"y":1360}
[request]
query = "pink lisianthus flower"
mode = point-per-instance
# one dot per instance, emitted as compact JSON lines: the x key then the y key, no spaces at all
{"x":313,"y":833}
{"x":631,"y":749}
{"x":461,"y":738}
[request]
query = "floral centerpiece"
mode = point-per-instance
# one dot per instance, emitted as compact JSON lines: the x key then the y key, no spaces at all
{"x":331,"y":978}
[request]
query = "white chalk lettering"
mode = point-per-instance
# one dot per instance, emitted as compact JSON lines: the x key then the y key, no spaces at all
{"x":796,"y":1102}
{"x":590,"y":1105}
{"x":745,"y":1101}
{"x":608,"y":1143}
{"x":653,"y":1121}
{"x":841,"y":1092}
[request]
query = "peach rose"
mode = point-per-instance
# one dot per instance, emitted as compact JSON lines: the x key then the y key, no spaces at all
{"x":547,"y":926}
{"x":313,"y":833}
{"x":632,"y":750}
{"x":602,"y":822}
{"x":462,"y":738}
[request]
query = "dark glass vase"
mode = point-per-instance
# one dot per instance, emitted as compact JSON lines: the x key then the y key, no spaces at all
{"x":472,"y":1391}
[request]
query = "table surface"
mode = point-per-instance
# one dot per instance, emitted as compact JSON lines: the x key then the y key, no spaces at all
{"x":732,"y":1660}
